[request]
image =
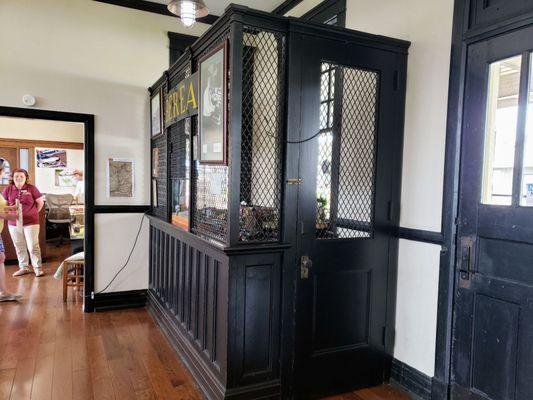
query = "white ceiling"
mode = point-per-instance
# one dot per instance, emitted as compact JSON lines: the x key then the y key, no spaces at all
{"x":216,"y":7}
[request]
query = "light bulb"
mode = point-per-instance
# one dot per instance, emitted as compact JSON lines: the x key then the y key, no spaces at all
{"x":188,"y":13}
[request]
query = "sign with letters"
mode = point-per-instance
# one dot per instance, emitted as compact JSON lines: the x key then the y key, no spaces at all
{"x":182,"y":100}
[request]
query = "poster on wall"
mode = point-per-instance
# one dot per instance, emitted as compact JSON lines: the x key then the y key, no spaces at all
{"x":154,"y":193}
{"x":51,"y":158}
{"x":156,"y":117}
{"x":155,"y":162}
{"x":212,"y":119}
{"x":120,"y":179}
{"x":64,"y":178}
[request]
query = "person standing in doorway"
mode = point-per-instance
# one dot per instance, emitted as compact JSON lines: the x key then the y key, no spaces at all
{"x":25,"y":235}
{"x":79,"y":192}
{"x":7,"y":213}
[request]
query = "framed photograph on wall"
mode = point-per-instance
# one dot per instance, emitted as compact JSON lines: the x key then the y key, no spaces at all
{"x":156,"y":113}
{"x":155,"y":162}
{"x":212,"y":108}
{"x":154,"y":193}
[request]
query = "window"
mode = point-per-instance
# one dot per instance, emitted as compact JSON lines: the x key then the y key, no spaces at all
{"x":526,"y":198}
{"x":500,"y":131}
{"x":508,"y":151}
{"x":346,"y":152}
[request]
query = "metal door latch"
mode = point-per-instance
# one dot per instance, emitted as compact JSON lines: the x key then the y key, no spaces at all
{"x":305,"y":264}
{"x":467,"y":258}
{"x":294,"y":181}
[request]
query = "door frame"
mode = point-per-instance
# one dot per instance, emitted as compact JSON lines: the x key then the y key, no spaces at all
{"x":465,"y":31}
{"x":88,"y":123}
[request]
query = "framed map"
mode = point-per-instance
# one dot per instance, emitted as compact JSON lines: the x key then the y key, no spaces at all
{"x":120,"y":178}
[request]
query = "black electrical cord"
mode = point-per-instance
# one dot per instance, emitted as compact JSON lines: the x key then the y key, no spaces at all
{"x":127,"y":260}
{"x":295,"y":141}
{"x":303,"y":141}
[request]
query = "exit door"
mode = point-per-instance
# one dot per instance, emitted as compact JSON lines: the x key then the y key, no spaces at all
{"x":493,"y":321}
{"x":349,"y":166}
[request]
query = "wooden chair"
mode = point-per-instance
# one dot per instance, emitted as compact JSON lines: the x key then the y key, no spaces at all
{"x":72,"y":275}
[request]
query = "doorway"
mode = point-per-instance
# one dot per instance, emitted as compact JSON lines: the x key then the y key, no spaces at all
{"x":348,"y":198}
{"x":491,"y":352}
{"x":63,"y":169}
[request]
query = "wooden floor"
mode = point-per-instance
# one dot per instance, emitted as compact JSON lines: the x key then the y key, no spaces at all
{"x":50,"y":350}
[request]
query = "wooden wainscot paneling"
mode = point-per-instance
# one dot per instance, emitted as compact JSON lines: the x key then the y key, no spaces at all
{"x":255,"y":292}
{"x":188,"y":296}
{"x":221,"y":312}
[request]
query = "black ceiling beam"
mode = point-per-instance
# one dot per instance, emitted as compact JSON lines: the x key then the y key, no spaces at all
{"x":286,"y":6}
{"x":155,"y":8}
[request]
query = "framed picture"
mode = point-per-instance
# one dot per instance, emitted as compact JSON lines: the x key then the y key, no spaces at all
{"x":120,"y":177}
{"x":156,"y":113}
{"x":51,"y":158}
{"x":155,"y":162}
{"x":212,"y":110}
{"x":154,"y":193}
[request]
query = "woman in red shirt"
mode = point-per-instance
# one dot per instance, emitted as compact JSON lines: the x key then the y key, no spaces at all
{"x":25,"y":233}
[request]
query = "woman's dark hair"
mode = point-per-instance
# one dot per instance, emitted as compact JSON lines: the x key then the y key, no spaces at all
{"x":2,"y":163}
{"x":12,"y":182}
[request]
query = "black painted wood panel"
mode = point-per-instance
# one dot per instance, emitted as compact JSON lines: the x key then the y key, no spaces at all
{"x":189,"y":280}
{"x":256,"y":289}
{"x":491,"y":12}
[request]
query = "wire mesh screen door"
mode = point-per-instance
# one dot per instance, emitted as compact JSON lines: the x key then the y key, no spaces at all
{"x":346,"y":152}
{"x":347,"y":135}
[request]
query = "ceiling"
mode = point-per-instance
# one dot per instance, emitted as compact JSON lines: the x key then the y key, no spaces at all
{"x":216,"y":7}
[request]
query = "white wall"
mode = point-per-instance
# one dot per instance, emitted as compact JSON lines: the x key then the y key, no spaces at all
{"x":115,"y":235}
{"x":41,"y":129}
{"x":89,"y":57}
{"x":427,"y":25}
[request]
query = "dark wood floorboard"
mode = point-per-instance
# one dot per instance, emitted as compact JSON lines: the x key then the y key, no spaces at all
{"x":50,"y":350}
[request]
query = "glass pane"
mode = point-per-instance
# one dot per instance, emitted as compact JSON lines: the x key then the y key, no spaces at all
{"x":24,"y":159}
{"x":346,"y":158}
{"x":526,"y":198}
{"x":500,"y":131}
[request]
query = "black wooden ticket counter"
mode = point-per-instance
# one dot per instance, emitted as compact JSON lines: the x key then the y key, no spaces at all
{"x":276,"y":165}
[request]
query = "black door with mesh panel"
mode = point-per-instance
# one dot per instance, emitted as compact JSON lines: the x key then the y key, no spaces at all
{"x":347,"y":256}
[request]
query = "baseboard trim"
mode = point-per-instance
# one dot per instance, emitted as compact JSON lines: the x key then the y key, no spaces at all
{"x":206,"y":380}
{"x":439,"y":390}
{"x":411,"y":379}
{"x":264,"y":390}
{"x":120,"y":300}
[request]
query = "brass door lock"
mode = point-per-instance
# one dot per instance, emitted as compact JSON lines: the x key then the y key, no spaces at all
{"x":305,"y":265}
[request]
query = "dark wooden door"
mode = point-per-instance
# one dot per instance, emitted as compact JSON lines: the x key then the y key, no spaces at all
{"x":493,"y":329}
{"x":349,"y":100}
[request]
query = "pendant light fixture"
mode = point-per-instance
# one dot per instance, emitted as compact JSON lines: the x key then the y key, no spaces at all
{"x":188,"y":10}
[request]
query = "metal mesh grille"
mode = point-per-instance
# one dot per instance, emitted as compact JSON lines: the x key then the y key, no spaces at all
{"x":262,"y":130}
{"x":210,"y":182}
{"x":346,"y":152}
